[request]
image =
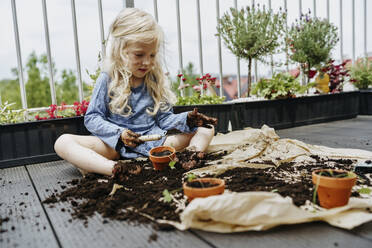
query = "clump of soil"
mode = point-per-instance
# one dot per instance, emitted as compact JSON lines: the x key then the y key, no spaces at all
{"x":142,"y":192}
{"x":161,"y":154}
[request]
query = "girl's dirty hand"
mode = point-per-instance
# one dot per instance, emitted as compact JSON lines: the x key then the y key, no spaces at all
{"x":196,"y":119}
{"x":130,"y":138}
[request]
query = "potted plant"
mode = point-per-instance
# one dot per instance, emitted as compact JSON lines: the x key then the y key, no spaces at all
{"x":310,"y":41}
{"x":161,"y":156}
{"x":333,"y":187}
{"x":203,"y":187}
{"x":251,"y":33}
{"x":361,"y":74}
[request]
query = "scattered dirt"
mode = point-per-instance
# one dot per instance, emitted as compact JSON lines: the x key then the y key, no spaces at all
{"x":139,"y":196}
{"x":142,"y":192}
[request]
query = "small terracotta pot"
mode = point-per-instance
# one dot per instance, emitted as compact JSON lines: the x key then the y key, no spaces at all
{"x":333,"y":192}
{"x":192,"y":193}
{"x":160,"y":163}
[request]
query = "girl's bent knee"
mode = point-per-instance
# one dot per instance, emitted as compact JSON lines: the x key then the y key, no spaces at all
{"x":207,"y":131}
{"x":62,"y":141}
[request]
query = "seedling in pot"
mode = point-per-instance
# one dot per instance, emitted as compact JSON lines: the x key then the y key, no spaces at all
{"x":333,"y":187}
{"x":190,"y":177}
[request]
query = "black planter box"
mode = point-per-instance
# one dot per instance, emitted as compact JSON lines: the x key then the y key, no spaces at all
{"x":220,"y":111}
{"x":365,"y":102}
{"x":33,"y":142}
{"x":286,"y":113}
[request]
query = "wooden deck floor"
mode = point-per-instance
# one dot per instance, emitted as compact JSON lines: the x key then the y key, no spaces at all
{"x":32,"y":224}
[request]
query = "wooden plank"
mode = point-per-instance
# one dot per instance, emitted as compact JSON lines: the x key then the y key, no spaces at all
{"x":28,"y":225}
{"x":313,"y":235}
{"x":73,"y":233}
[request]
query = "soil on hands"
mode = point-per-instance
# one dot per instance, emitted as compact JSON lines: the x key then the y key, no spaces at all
{"x":143,"y":187}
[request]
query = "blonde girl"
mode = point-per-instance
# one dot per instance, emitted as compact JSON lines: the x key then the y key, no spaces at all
{"x":131,"y":99}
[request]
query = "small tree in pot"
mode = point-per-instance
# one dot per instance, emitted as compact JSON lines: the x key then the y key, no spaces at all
{"x":310,"y":41}
{"x":251,"y":33}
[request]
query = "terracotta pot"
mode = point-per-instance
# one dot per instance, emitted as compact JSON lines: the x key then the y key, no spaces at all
{"x":160,"y":163}
{"x":192,"y":193}
{"x":332,"y":191}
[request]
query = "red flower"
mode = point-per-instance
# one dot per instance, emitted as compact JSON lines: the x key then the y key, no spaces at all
{"x":179,"y":75}
{"x":312,"y":73}
{"x":184,"y":79}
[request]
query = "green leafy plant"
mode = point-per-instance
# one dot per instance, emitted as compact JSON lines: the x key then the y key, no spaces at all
{"x":364,"y":191}
{"x":190,"y":177}
{"x":310,"y":42}
{"x":361,"y":73}
{"x":9,"y":115}
{"x":171,"y":164}
{"x":251,"y":33}
{"x":281,"y":86}
{"x":167,"y":196}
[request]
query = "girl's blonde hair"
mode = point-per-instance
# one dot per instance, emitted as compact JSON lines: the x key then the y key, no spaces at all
{"x":130,"y":26}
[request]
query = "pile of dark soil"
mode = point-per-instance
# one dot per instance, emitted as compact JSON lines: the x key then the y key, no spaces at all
{"x":143,"y":186}
{"x":141,"y":193}
{"x":288,"y":179}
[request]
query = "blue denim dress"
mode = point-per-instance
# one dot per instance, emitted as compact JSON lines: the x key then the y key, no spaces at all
{"x":108,"y":126}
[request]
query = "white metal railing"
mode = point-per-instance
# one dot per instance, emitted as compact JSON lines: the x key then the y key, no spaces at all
{"x":131,"y":3}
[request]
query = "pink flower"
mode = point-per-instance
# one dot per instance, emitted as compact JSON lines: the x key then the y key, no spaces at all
{"x":183,"y":86}
{"x":196,"y":88}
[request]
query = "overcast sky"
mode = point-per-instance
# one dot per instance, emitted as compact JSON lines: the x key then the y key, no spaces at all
{"x":32,"y":38}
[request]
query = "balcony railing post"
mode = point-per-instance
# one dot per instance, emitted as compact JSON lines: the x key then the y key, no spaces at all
{"x":49,"y":56}
{"x":271,"y":56}
{"x":128,"y":3}
{"x":238,"y":61}
{"x":102,"y":30}
{"x":77,"y":52}
{"x":180,"y":60}
{"x":314,"y":8}
{"x":353,"y":27}
{"x":219,"y":49}
{"x":19,"y":56}
{"x":327,"y":10}
{"x":286,"y":26}
{"x":341,"y":34}
{"x":200,"y":42}
{"x":156,"y":10}
{"x":255,"y":61}
{"x":365,"y":27}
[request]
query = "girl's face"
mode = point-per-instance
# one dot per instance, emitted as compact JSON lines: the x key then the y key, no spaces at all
{"x":141,"y":59}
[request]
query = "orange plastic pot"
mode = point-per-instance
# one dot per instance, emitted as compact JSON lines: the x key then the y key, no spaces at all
{"x":162,"y":162}
{"x":333,"y":192}
{"x":192,"y":193}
